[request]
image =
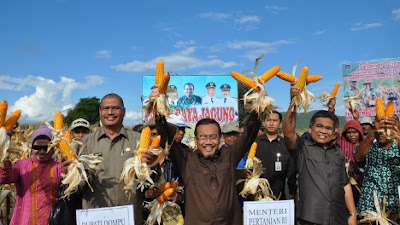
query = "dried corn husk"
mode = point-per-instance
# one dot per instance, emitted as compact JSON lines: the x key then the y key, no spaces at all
{"x":381,"y":216}
{"x":304,"y":100}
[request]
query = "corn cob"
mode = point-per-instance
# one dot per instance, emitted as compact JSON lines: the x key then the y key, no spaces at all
{"x":174,"y":184}
{"x":67,"y":150}
{"x":68,"y":136}
{"x":313,"y":78}
{"x":159,"y":71}
{"x":163,"y":84}
{"x":301,"y":81}
{"x":335,"y":90}
{"x":3,"y":112}
{"x":243,"y":79}
{"x":166,"y":194}
{"x":164,"y":186}
{"x":270,"y":73}
{"x":156,"y":142}
{"x":145,"y":138}
{"x":58,"y":121}
{"x":380,"y":109}
{"x":389,"y":109}
{"x":253,"y":150}
{"x":12,"y":120}
{"x":285,"y":76}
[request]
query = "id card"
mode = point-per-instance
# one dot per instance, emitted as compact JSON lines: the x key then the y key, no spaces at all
{"x":278,"y":166}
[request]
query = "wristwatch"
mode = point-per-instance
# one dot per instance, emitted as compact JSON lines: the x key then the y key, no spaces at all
{"x":353,"y":214}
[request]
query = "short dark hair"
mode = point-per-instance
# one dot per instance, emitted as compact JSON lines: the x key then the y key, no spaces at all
{"x":188,"y":84}
{"x":266,"y":114}
{"x":325,"y":114}
{"x":205,"y":122}
{"x":113,"y":95}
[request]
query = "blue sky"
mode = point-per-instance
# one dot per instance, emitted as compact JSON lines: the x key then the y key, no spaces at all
{"x":54,"y":52}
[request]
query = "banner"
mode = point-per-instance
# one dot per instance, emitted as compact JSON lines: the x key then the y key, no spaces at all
{"x":370,"y":80}
{"x":268,"y":212}
{"x":198,"y":97}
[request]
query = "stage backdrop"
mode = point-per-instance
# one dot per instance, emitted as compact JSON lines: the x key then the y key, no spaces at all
{"x":369,"y":80}
{"x":203,"y":104}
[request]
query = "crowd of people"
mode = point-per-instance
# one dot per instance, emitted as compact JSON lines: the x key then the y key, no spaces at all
{"x":313,"y":167}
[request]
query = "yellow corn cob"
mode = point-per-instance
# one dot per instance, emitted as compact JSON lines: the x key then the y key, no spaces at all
{"x":285,"y":76}
{"x":3,"y":112}
{"x":301,"y":81}
{"x":243,"y":79}
{"x":12,"y":120}
{"x":164,"y":186}
{"x":313,"y":78}
{"x":156,"y":142}
{"x":58,"y":121}
{"x":67,"y":150}
{"x":174,"y":184}
{"x":68,"y":136}
{"x":253,"y":150}
{"x":164,"y":84}
{"x":270,"y":73}
{"x":335,"y":90}
{"x":159,"y":71}
{"x":389,"y":109}
{"x":380,"y":109}
{"x":145,"y":139}
{"x":166,"y":194}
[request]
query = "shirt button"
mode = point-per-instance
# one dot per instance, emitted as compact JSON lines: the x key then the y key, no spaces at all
{"x":213,"y":188}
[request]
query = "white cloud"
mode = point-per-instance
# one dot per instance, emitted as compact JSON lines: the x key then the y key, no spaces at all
{"x":396,"y":14}
{"x":48,"y":97}
{"x":275,"y":9}
{"x":240,"y":21}
{"x":132,"y":118}
{"x":178,"y":61}
{"x":364,"y":26}
{"x":103,"y":54}
{"x":253,"y":49}
{"x":319,"y":32}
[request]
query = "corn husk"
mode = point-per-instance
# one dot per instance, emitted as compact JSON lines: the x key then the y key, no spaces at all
{"x":254,"y":185}
{"x":159,"y":105}
{"x":305,"y":99}
{"x":352,"y":180}
{"x":380,"y":217}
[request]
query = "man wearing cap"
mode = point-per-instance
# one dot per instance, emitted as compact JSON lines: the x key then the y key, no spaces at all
{"x":230,"y":132}
{"x":367,"y":94}
{"x":352,"y":91}
{"x":367,"y":125}
{"x":210,"y":97}
{"x":37,"y":180}
{"x":172,"y":93}
{"x":79,"y":128}
{"x":226,"y":98}
{"x":189,"y":98}
{"x":115,"y":144}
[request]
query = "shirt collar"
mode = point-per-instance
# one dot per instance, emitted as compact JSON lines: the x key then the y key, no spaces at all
{"x":102,"y":134}
{"x":264,"y":137}
{"x":310,"y":141}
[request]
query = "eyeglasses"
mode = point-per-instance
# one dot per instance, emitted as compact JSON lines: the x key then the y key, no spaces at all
{"x":39,"y":147}
{"x":113,"y":108}
{"x":213,"y":137}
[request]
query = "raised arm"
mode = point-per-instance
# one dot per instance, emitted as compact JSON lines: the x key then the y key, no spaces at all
{"x":289,"y":125}
{"x":245,"y":140}
{"x":9,"y":173}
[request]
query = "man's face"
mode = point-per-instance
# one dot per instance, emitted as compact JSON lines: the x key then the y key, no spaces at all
{"x":111,"y":112}
{"x":352,"y":135}
{"x":322,"y":131}
{"x":79,"y":132}
{"x":366,"y":127}
{"x":189,"y":91}
{"x":180,"y":132}
{"x":230,"y":138}
{"x":173,"y":95}
{"x":382,"y":140}
{"x":211,"y":92}
{"x":272,"y":123}
{"x":226,"y":93}
{"x":39,"y":150}
{"x":207,"y":139}
{"x":353,"y":85}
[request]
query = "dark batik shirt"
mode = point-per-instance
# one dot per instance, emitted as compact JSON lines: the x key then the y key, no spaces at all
{"x":185,"y":101}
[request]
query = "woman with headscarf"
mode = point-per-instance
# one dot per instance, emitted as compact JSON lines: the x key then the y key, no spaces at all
{"x":37,"y":181}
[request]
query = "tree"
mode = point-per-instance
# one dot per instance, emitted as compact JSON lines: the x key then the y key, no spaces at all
{"x":87,"y":108}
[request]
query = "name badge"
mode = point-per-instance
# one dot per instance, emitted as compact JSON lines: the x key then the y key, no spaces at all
{"x":278,"y":164}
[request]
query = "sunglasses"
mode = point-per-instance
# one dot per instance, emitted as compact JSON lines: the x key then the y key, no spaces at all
{"x":39,"y":147}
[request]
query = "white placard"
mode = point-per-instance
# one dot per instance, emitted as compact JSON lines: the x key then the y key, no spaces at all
{"x":398,"y":188}
{"x":268,"y":212}
{"x":118,"y":215}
